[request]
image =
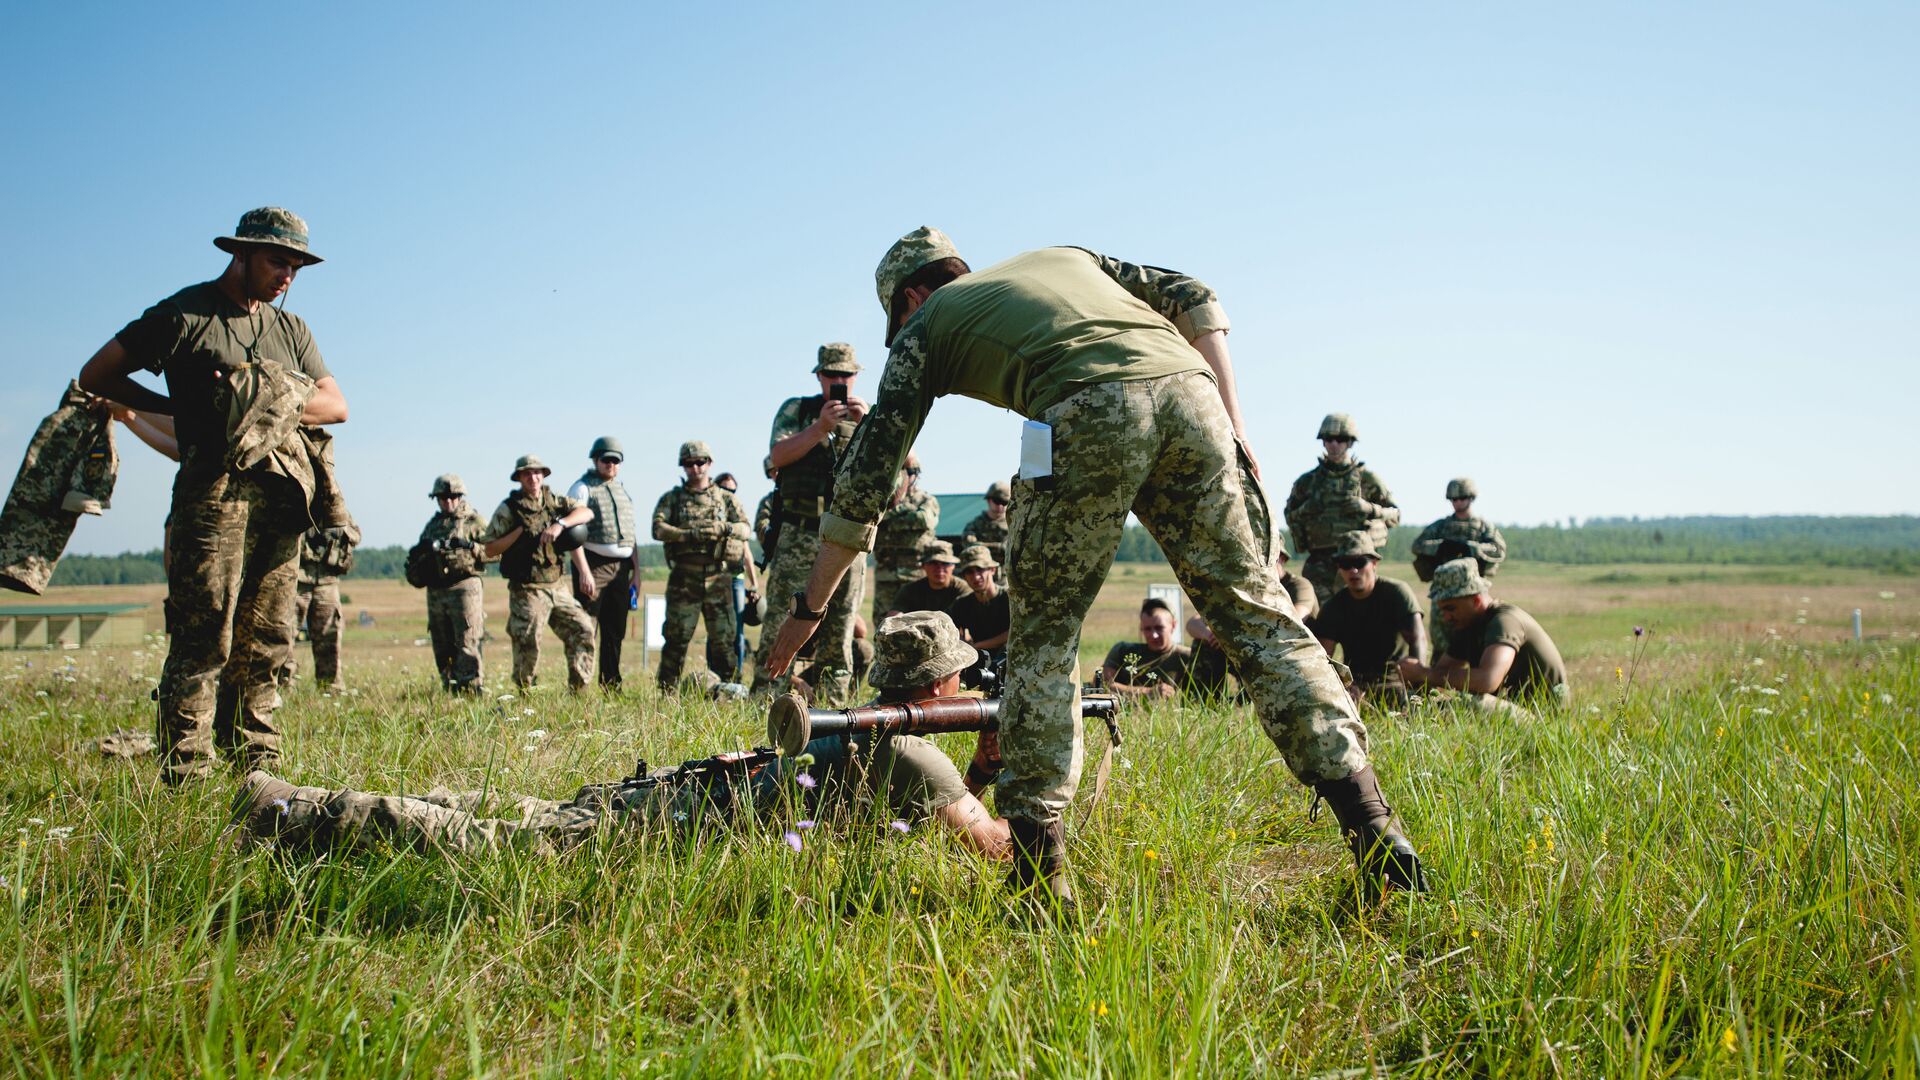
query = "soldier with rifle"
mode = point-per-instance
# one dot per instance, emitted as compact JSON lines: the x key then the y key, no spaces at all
{"x":1337,"y":496}
{"x":848,"y":759}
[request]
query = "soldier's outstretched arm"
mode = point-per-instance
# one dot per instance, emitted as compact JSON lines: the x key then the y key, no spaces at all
{"x":327,"y":405}
{"x":108,"y":373}
{"x":828,"y":568}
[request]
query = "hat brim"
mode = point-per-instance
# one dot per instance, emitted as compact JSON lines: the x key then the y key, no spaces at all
{"x":234,"y":245}
{"x":964,"y":567}
{"x":957,"y":658}
{"x":949,"y":560}
{"x":543,"y":470}
{"x":1455,"y":594}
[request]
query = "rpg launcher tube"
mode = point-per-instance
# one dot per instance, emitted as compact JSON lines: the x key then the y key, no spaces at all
{"x":791,"y":724}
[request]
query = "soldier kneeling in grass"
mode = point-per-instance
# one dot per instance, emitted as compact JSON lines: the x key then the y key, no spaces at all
{"x":918,"y":656}
{"x":1496,"y":653}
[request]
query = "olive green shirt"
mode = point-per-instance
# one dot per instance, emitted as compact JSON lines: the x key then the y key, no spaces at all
{"x":1537,"y":668}
{"x":1024,"y":334}
{"x":1370,"y":631}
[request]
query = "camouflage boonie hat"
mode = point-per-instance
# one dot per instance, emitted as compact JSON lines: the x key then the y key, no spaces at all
{"x":1001,"y":490}
{"x":1462,"y":487}
{"x":528,"y":461}
{"x":607,"y":444}
{"x":909,"y":253}
{"x":918,"y":648}
{"x":1354,"y":545}
{"x":938,"y":551}
{"x":1461,"y":577}
{"x":977,"y":557}
{"x":695,"y":450}
{"x":1338,"y":426}
{"x":447,"y":484}
{"x":836,"y":358}
{"x":270,"y":226}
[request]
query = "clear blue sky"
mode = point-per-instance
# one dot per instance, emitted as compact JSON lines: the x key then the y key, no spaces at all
{"x":1607,"y":259}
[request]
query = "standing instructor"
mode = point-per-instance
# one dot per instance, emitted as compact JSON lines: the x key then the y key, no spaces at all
{"x":1128,"y":368}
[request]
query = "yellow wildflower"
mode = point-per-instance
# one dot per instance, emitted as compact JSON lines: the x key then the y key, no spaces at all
{"x":1098,"y":1008}
{"x":1727,"y":1040}
{"x":1152,"y":855}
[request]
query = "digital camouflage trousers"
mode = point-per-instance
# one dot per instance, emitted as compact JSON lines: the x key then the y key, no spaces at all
{"x":316,"y":606}
{"x":234,"y":558}
{"x":832,"y":671}
{"x":694,"y":590}
{"x":553,"y":603}
{"x":1163,"y":450}
{"x":457,"y":622}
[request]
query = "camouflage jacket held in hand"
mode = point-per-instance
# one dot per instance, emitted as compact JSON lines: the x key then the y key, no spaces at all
{"x":440,"y":566}
{"x":1330,"y":499}
{"x":904,"y":529}
{"x":325,"y":554}
{"x":1451,"y":538}
{"x":69,"y":470}
{"x":699,"y":527}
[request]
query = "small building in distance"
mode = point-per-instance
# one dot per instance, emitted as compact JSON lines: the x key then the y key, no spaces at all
{"x":54,"y":626}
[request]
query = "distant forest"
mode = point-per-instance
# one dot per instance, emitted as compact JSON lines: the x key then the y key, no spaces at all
{"x":1891,"y":544}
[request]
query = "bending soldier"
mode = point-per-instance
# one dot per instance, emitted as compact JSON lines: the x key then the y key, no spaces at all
{"x":227,"y":352}
{"x":447,"y":561}
{"x":1128,"y":368}
{"x":1339,"y":495}
{"x":1496,"y":652}
{"x":521,"y":535}
{"x":810,"y":434}
{"x":609,"y":562}
{"x":905,"y":530}
{"x":700,"y":523}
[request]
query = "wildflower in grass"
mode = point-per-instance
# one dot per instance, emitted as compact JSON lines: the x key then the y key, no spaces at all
{"x":59,"y":832}
{"x":1093,"y":941}
{"x":803,"y":824}
{"x":1152,"y":855}
{"x":1720,"y":732}
{"x":805,"y":780}
{"x":504,"y":697}
{"x":1619,"y":673}
{"x":1728,"y":1042}
{"x":900,"y":826}
{"x":913,"y":890}
{"x":1476,"y":935}
{"x":1098,"y":1008}
{"x":36,"y":821}
{"x":1639,"y":630}
{"x":537,"y":733}
{"x":793,"y":839}
{"x":1886,"y":699}
{"x":1763,"y":712}
{"x":281,"y":805}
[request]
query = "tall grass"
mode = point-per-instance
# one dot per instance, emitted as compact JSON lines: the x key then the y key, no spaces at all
{"x":1704,"y":877}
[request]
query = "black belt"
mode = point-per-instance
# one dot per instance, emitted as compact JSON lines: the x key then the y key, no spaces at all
{"x":811,"y":524}
{"x":594,"y":558}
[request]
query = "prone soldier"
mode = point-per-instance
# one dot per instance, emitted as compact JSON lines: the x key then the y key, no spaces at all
{"x":522,"y":535}
{"x":448,"y":561}
{"x":701,"y":525}
{"x":810,"y":434}
{"x":907,"y":527}
{"x":1338,"y":495}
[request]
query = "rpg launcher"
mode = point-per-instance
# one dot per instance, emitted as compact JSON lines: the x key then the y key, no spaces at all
{"x":791,"y":724}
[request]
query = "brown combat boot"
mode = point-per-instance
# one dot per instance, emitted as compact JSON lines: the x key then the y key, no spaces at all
{"x":1040,"y":862}
{"x":1379,"y":850}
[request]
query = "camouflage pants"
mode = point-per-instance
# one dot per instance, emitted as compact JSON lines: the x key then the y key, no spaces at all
{"x":234,"y":558}
{"x":1164,"y":450}
{"x":456,"y":621}
{"x":1322,"y":575}
{"x":695,"y":589}
{"x":318,"y":818}
{"x":528,"y":606}
{"x":833,"y":640}
{"x":316,"y":606}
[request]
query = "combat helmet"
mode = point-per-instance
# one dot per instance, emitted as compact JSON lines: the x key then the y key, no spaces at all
{"x":448,"y":484}
{"x":1338,"y":426}
{"x":1462,"y":487}
{"x":604,"y":445}
{"x":1000,"y":490}
{"x":694,"y":450}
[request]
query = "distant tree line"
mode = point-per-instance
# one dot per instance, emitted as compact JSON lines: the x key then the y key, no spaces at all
{"x":1877,"y":543}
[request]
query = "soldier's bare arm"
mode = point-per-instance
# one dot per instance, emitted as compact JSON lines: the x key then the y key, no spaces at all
{"x":828,"y":568}
{"x":1416,"y":637}
{"x":1212,"y":348}
{"x":109,"y":372}
{"x":976,"y":828}
{"x":328,"y":405}
{"x":791,"y":442}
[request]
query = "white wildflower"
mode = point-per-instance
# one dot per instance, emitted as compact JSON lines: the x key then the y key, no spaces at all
{"x":59,"y":832}
{"x":537,"y":733}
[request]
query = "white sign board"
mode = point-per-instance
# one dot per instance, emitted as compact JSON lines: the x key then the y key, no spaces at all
{"x":1174,"y":597}
{"x":653,"y":620}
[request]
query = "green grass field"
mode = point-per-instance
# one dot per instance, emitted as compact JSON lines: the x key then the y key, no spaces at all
{"x":1701,"y":868}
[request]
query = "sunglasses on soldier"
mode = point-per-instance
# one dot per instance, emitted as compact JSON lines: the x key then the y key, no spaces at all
{"x":690,"y":462}
{"x":998,"y":502}
{"x":1357,"y":562}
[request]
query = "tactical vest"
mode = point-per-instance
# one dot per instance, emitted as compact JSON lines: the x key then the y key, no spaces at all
{"x":324,"y":554}
{"x":531,"y":561}
{"x":899,"y":537}
{"x":432,"y":564}
{"x":686,"y":509}
{"x":1326,"y":509}
{"x":613,"y":521}
{"x":806,"y":486}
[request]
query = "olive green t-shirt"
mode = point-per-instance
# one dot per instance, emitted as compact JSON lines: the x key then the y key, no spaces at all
{"x":1537,"y":668}
{"x":1368,"y":631}
{"x":917,"y":595}
{"x":199,"y":332}
{"x":915,"y":778}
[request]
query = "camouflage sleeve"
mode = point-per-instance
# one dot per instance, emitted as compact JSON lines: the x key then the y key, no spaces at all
{"x":1186,"y":302}
{"x":662,"y":529}
{"x":864,"y":479}
{"x":1376,"y":493}
{"x":932,"y":513}
{"x":1428,"y":542}
{"x":786,"y":421}
{"x":474,"y":529}
{"x":1296,"y":502}
{"x":922,"y":512}
{"x":500,"y":525}
{"x":1491,"y":550}
{"x":737,"y":525}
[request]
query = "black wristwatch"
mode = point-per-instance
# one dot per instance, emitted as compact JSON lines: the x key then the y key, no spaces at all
{"x":801,"y":611}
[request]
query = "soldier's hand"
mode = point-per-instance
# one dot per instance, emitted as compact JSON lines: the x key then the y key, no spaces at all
{"x":1412,"y":670}
{"x":831,"y":413}
{"x":1361,"y":506}
{"x":586,"y":588}
{"x":551,"y":533}
{"x":856,"y":409}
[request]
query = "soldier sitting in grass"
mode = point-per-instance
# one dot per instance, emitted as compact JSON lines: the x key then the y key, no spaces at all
{"x":1154,"y":666}
{"x":1495,"y":652}
{"x":918,"y":656}
{"x":1375,"y":621}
